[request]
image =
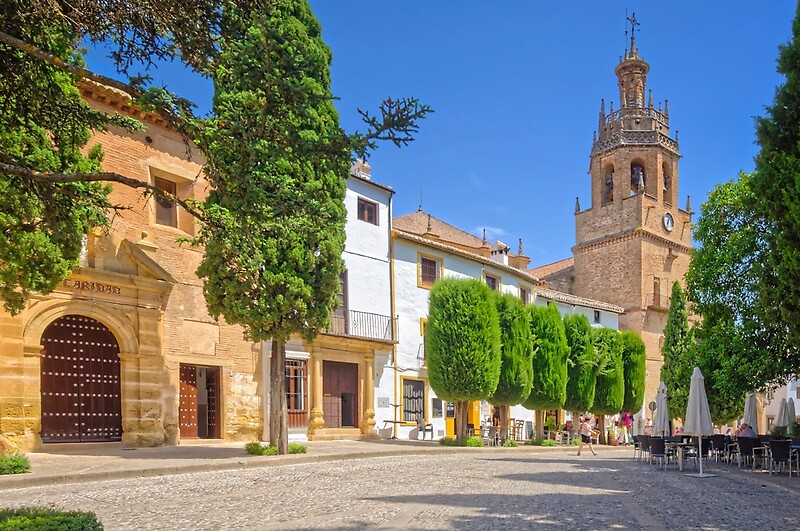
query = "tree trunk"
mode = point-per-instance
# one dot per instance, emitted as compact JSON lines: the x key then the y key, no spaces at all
{"x":574,"y":425}
{"x":504,"y":415}
{"x":601,"y":420}
{"x":278,"y":429}
{"x":539,"y":419}
{"x":461,"y":421}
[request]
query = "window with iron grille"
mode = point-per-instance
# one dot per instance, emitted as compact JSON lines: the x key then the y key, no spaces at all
{"x":413,"y":400}
{"x":367,"y":211}
{"x":295,"y":385}
{"x":429,"y":270}
{"x":491,"y":281}
{"x":597,"y":316}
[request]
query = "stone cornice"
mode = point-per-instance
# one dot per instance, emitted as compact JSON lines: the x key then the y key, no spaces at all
{"x":628,"y":235}
{"x":119,"y":100}
{"x":635,"y":138}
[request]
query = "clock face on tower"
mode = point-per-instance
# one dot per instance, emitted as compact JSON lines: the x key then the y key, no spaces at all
{"x":669,"y":223}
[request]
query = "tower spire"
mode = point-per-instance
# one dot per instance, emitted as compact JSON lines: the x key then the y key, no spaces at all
{"x":633,"y":23}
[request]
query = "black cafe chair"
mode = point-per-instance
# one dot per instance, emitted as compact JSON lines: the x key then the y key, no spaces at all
{"x":780,"y":453}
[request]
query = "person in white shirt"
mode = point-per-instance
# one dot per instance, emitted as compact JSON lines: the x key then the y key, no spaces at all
{"x":586,"y":435}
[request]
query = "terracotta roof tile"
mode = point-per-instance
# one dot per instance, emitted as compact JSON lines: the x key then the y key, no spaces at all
{"x":417,"y":223}
{"x":548,"y":269}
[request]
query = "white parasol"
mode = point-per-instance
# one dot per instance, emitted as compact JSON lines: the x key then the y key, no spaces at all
{"x":697,"y":421}
{"x":661,"y":422}
{"x":781,"y":419}
{"x":790,"y":413}
{"x":750,"y":413}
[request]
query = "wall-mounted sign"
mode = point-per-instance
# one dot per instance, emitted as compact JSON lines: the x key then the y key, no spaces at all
{"x":98,"y":287}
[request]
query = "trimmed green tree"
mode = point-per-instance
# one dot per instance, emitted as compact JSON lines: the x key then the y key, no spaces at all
{"x":609,"y":391}
{"x":462,"y":344}
{"x":516,"y":350}
{"x":550,"y":351}
{"x":634,"y":368}
{"x":581,"y":369}
{"x":680,"y":355}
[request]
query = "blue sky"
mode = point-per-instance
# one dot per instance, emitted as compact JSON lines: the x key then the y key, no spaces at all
{"x":516,"y":87}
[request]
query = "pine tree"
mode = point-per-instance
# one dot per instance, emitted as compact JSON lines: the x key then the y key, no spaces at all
{"x":680,"y":356}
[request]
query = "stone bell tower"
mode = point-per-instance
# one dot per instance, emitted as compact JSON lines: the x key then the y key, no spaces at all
{"x":634,"y":241}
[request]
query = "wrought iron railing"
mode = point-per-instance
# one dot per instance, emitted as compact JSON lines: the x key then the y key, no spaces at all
{"x":637,"y":111}
{"x":362,"y":324}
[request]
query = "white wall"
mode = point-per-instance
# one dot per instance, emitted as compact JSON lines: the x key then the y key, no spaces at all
{"x":366,"y":254}
{"x":411,"y":305}
{"x":607,"y":319}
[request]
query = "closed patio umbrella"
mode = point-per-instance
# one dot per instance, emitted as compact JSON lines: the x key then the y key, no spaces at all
{"x":790,"y":413}
{"x":697,"y":421}
{"x":781,"y":419}
{"x":750,"y":414}
{"x":661,"y":422}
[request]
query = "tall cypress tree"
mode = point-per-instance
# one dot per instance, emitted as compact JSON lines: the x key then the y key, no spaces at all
{"x":634,"y":368}
{"x":581,"y":369}
{"x":275,"y":159}
{"x":549,"y":388}
{"x":679,"y":354}
{"x":462,"y":344}
{"x":776,"y":194}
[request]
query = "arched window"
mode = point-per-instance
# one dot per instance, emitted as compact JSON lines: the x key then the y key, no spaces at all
{"x":666,"y":170}
{"x":637,"y":177}
{"x":607,"y":185}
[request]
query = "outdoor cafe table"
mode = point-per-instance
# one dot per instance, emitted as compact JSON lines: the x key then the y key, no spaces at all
{"x":680,"y":449}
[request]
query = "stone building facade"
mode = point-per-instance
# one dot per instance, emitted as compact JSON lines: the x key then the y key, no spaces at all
{"x":124,"y":349}
{"x":634,"y":241}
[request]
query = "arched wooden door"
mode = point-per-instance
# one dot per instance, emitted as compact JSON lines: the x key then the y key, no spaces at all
{"x":80,"y":375}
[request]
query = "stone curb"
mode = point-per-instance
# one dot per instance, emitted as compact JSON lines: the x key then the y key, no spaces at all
{"x":22,"y":481}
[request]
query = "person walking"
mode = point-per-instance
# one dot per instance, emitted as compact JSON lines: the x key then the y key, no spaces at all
{"x":586,"y":435}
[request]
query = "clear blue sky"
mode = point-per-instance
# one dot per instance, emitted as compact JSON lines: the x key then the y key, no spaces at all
{"x":516,"y":87}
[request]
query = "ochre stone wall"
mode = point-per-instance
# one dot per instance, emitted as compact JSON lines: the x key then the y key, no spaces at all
{"x":159,"y":323}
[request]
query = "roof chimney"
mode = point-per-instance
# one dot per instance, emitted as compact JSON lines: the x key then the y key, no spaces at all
{"x":360,"y":168}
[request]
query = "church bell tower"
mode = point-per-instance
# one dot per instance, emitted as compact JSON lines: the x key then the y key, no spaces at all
{"x":634,"y":241}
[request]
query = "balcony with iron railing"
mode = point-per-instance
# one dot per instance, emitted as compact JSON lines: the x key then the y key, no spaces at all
{"x":658,"y":301}
{"x":363,"y":325}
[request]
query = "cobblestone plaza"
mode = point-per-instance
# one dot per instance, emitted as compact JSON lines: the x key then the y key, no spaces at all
{"x":483,"y":489}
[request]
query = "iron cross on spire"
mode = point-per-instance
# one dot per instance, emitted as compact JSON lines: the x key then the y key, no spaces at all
{"x":634,"y":23}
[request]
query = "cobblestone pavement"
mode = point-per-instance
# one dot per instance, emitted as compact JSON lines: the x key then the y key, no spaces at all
{"x":480,"y":490}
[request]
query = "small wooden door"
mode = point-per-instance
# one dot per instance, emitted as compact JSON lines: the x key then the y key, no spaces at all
{"x":198,"y":411}
{"x":188,"y":405}
{"x":340,"y":394}
{"x":80,"y":382}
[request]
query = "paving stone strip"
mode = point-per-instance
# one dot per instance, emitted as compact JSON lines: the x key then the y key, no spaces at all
{"x":466,"y":490}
